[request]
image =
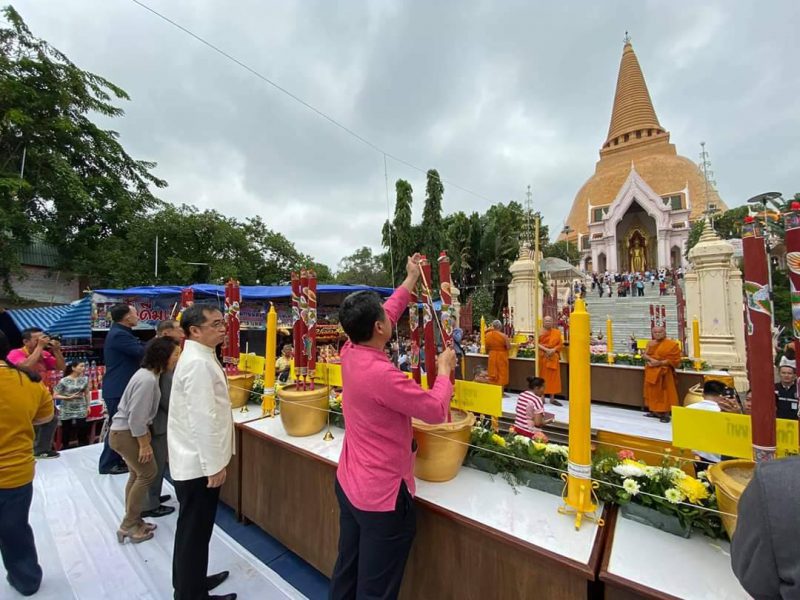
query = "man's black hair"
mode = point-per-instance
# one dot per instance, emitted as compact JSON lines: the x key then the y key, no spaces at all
{"x":157,"y":353}
{"x":5,"y":348}
{"x":166,"y":325}
{"x":534,"y":382}
{"x":714,"y":388}
{"x":28,"y":333}
{"x":119,"y":311}
{"x":359,"y":313}
{"x":195,"y":315}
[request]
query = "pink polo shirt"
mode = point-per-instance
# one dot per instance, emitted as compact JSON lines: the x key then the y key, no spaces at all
{"x":378,"y":403}
{"x":46,"y":363}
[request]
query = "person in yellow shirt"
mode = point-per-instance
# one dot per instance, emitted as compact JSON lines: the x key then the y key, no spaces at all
{"x":283,"y":365}
{"x":24,"y":402}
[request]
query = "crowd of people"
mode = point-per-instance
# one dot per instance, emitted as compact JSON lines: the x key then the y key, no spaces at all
{"x":625,"y":284}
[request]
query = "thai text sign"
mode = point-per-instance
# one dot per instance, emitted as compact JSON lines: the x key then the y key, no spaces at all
{"x":478,"y":397}
{"x":728,"y":434}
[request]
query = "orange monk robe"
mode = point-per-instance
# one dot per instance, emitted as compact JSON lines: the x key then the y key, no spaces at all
{"x":550,"y":369}
{"x":498,"y":357}
{"x":660,"y":392}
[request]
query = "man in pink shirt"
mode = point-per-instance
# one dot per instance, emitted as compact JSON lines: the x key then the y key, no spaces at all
{"x":33,"y":357}
{"x":375,"y":480}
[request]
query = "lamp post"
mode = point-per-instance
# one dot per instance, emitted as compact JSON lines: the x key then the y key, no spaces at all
{"x":566,"y":231}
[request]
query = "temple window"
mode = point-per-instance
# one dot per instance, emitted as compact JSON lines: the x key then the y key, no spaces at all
{"x":638,"y":134}
{"x":597,"y":215}
{"x":675,"y":202}
{"x":625,"y":138}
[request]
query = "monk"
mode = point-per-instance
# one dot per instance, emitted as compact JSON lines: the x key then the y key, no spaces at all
{"x":550,"y":345}
{"x":662,"y":356}
{"x":497,"y":345}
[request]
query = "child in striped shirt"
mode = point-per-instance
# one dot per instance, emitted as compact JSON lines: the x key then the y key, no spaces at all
{"x":530,"y":409}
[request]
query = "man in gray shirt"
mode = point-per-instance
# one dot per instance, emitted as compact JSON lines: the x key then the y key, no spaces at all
{"x":765,"y":553}
{"x":154,"y":506}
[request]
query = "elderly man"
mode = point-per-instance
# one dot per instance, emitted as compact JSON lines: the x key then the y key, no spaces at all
{"x":550,"y":345}
{"x":154,"y":506}
{"x":39,"y":354}
{"x":200,"y":441}
{"x":497,"y":346}
{"x":122,"y":353}
{"x":786,"y":393}
{"x":662,"y":357}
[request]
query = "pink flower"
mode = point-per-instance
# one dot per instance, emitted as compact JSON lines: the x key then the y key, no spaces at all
{"x":626,"y":455}
{"x":540,"y":437}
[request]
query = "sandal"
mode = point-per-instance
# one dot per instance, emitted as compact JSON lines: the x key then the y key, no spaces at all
{"x":135,"y":536}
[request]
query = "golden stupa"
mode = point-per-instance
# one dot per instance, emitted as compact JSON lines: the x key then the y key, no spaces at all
{"x":637,"y":138}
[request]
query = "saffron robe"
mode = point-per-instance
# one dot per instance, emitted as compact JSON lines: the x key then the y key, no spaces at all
{"x":550,"y":369}
{"x":660,"y":391}
{"x":498,"y":357}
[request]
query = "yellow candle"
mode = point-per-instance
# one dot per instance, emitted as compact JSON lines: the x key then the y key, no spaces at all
{"x":483,"y":335}
{"x":268,"y":399}
{"x":696,"y":338}
{"x":609,"y":340}
{"x":579,"y":484}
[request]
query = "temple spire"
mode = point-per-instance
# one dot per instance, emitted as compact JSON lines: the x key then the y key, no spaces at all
{"x":633,"y":109}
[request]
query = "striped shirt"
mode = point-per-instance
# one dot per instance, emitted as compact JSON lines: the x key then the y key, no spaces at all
{"x":528,"y":405}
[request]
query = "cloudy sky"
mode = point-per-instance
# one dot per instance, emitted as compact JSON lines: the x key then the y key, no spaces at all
{"x":495,"y":95}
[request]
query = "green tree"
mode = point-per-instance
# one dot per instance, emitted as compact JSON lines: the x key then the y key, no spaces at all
{"x":728,"y":225}
{"x":482,"y":302}
{"x":363,"y":268}
{"x":458,"y":243}
{"x":398,"y":236}
{"x":564,"y":250}
{"x":432,"y":234}
{"x":61,"y":175}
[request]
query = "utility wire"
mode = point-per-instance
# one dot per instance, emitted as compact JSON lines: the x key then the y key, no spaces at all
{"x":296,"y":98}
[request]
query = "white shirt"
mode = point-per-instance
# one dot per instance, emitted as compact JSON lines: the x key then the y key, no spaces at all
{"x":710,"y":406}
{"x":200,"y":424}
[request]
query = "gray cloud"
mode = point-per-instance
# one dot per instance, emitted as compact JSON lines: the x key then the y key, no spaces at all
{"x":493,"y":95}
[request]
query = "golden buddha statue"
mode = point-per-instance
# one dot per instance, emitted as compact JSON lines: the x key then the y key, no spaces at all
{"x":636,"y":257}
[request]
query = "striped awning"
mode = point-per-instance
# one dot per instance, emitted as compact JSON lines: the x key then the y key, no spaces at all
{"x":71,"y":321}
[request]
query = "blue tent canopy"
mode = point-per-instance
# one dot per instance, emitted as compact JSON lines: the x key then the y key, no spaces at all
{"x":249,"y":292}
{"x":42,"y":317}
{"x":72,"y":321}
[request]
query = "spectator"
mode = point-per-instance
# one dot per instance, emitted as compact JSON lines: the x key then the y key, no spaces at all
{"x":24,"y":403}
{"x":283,"y":366}
{"x":35,"y":357}
{"x":72,"y":392}
{"x":764,"y":550}
{"x":122,"y":353}
{"x":786,"y":393}
{"x":530,"y":414}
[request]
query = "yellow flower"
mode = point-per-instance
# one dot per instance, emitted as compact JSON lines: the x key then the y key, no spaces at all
{"x":498,"y":440}
{"x":539,"y":446}
{"x":693,"y":489}
{"x":633,"y":463}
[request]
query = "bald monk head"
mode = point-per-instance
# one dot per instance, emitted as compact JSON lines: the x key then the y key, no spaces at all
{"x":548,"y":322}
{"x":497,"y":325}
{"x":659,"y":333}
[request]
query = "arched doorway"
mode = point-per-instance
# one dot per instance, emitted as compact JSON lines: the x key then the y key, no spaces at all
{"x":636,"y":240}
{"x":601,"y":263}
{"x":675,"y":257}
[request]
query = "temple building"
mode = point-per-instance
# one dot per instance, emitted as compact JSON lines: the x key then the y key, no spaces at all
{"x":635,"y":212}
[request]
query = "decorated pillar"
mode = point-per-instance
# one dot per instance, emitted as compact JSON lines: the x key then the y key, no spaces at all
{"x":230,"y":349}
{"x":297,"y":335}
{"x":310,"y":340}
{"x":428,"y":335}
{"x":413,"y":323}
{"x":758,"y":313}
{"x":187,"y":298}
{"x":448,"y":318}
{"x":792,"y":222}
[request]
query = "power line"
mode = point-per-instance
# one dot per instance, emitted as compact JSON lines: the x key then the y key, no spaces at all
{"x":296,"y":98}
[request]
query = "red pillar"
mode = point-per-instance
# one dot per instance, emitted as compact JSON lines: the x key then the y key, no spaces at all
{"x":311,"y":334}
{"x":448,"y":318}
{"x":427,"y":323}
{"x":792,"y":222}
{"x":758,"y":323}
{"x":297,"y":336}
{"x":413,"y":322}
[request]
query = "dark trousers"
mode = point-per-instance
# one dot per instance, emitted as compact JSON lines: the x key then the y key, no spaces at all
{"x":198,"y":507}
{"x":373,"y":549}
{"x":45,"y":434}
{"x":16,"y":540}
{"x":75,"y":428}
{"x":109,"y":458}
{"x":159,"y":445}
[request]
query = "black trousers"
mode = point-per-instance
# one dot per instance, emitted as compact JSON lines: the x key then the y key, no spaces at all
{"x":373,"y":549}
{"x":72,"y":428}
{"x":160,"y":451}
{"x":198,"y":507}
{"x":108,"y":458}
{"x":16,"y":540}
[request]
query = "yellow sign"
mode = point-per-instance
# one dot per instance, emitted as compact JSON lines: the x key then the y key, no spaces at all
{"x":251,"y":363}
{"x":725,"y":433}
{"x":330,"y":374}
{"x":478,"y":397}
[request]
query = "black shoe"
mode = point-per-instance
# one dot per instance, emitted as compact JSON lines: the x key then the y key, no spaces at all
{"x":225,"y":597}
{"x":665,"y":419}
{"x":215,"y":580}
{"x":555,"y":402}
{"x":652,"y":415}
{"x":118,"y":470}
{"x":161,"y":511}
{"x":164,"y":498}
{"x":47,"y":454}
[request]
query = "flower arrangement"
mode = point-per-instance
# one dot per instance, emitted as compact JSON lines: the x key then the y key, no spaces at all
{"x":688,"y":364}
{"x":629,"y":359}
{"x":335,"y":406}
{"x":666,"y":489}
{"x":256,"y":391}
{"x":526,"y":351}
{"x":598,"y":358}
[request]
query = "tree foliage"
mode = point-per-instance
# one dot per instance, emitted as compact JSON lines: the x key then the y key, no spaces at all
{"x":564,"y":250}
{"x":431,"y":234}
{"x":363,"y":268}
{"x":482,"y":306}
{"x":61,"y":176}
{"x":399,"y":236}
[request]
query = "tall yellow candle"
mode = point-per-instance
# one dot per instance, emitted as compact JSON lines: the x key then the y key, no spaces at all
{"x":696,"y":343}
{"x":483,"y":335}
{"x":609,"y":340}
{"x":579,"y":484}
{"x":268,"y":399}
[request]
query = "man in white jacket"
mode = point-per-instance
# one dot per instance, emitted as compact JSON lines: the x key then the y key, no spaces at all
{"x":200,"y":441}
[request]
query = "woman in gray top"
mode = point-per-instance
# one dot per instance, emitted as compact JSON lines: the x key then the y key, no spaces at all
{"x":130,"y":434}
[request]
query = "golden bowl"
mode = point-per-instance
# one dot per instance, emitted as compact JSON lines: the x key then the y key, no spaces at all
{"x":441,"y":448}
{"x":730,"y":478}
{"x":239,"y":387}
{"x":303,"y":412}
{"x":694,"y":395}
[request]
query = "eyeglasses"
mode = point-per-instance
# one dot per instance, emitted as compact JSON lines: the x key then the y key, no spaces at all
{"x":219,"y":323}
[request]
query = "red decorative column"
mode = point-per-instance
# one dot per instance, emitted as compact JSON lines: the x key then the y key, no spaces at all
{"x":427,"y":322}
{"x":758,"y":323}
{"x":447,"y":312}
{"x":311,"y":333}
{"x":233,"y":299}
{"x":792,"y":223}
{"x":297,"y":335}
{"x":413,"y":323}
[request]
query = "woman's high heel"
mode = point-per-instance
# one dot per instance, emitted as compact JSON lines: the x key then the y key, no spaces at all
{"x":136,"y":537}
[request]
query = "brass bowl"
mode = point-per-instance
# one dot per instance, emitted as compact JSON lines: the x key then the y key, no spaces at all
{"x":441,"y":448}
{"x":239,"y":387}
{"x":730,"y":478}
{"x":303,"y":412}
{"x":694,"y":395}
